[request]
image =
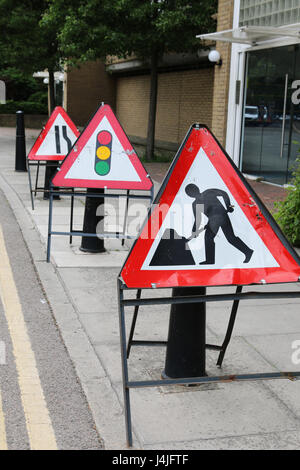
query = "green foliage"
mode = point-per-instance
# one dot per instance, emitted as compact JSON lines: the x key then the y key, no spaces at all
{"x":24,"y":41}
{"x":20,"y":86}
{"x":23,"y":92}
{"x":40,"y":97}
{"x":146,"y":29}
{"x":93,"y":29}
{"x":29,"y":107}
{"x":287,"y":212}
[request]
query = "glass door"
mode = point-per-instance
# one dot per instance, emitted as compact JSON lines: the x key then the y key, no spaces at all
{"x":291,"y":140}
{"x":271,"y":123}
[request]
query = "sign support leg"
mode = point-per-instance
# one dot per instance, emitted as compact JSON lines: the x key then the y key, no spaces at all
{"x":229,"y":328}
{"x":124,"y":367}
{"x":125,"y":215}
{"x":134,"y":319}
{"x":37,"y":178}
{"x":30,"y":187}
{"x":50,"y":224}
{"x":185,"y":356}
{"x":71,"y":216}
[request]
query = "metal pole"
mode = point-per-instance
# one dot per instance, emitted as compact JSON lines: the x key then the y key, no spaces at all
{"x":229,"y":331}
{"x":125,"y":215}
{"x":185,"y":356}
{"x":91,"y":220}
{"x":36,"y":177}
{"x":71,"y":215}
{"x":49,"y":224}
{"x":134,"y":319}
{"x":20,"y":156}
{"x":124,"y":367}
{"x":30,"y":186}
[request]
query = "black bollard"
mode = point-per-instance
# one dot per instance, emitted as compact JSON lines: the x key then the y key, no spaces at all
{"x":20,"y":157}
{"x":91,"y":220}
{"x":50,"y":170}
{"x":185,"y":356}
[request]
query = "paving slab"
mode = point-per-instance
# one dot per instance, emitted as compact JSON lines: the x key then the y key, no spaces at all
{"x":237,"y":409}
{"x":289,"y":440}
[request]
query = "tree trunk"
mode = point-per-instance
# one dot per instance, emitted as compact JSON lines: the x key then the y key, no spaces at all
{"x":152,"y":106}
{"x":51,"y":90}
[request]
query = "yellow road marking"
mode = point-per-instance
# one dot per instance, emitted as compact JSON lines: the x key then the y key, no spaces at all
{"x":3,"y":443}
{"x":38,"y":422}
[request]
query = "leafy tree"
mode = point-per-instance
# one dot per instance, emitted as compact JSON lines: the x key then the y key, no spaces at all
{"x":19,"y":85}
{"x":146,"y":29}
{"x":288,"y":210}
{"x":25,"y":42}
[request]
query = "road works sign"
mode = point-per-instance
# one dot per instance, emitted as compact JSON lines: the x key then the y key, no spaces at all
{"x":103,"y":158}
{"x":207,"y":227}
{"x":56,"y":138}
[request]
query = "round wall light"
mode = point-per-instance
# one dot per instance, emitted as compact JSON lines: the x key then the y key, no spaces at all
{"x":215,"y":57}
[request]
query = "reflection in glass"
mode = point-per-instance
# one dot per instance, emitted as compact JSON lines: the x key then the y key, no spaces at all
{"x":271,"y":124}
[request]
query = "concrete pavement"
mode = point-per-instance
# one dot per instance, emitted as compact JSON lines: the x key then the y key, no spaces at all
{"x":81,"y":289}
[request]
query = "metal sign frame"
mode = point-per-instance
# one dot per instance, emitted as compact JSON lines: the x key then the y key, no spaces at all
{"x":125,"y":346}
{"x":221,"y":348}
{"x":72,"y":193}
{"x":133,"y":277}
{"x":37,"y":188}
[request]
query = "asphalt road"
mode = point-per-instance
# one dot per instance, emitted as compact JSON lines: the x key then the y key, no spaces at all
{"x":42,"y":405}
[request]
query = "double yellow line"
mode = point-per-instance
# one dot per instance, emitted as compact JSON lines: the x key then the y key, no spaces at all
{"x":38,"y":422}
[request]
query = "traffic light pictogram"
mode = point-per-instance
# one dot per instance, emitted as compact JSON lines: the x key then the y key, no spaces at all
{"x":103,"y":153}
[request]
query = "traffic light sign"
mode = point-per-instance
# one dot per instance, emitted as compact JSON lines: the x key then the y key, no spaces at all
{"x":103,"y":153}
{"x":103,"y":157}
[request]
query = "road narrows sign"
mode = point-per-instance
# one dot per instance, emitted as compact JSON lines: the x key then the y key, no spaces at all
{"x":103,"y":158}
{"x":207,"y":227}
{"x":56,"y":138}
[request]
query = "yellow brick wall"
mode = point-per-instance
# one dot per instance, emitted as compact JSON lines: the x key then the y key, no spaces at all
{"x":221,"y":76}
{"x":183,"y":98}
{"x":85,"y":88}
{"x":132,"y":104}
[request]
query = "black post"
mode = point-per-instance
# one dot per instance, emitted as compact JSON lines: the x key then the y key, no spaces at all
{"x":91,"y":220}
{"x":20,"y":157}
{"x":185,"y":355}
{"x":50,"y":170}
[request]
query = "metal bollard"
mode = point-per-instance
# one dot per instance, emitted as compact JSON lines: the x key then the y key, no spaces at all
{"x":185,"y":356}
{"x":91,"y":220}
{"x":20,"y":156}
{"x":50,"y":170}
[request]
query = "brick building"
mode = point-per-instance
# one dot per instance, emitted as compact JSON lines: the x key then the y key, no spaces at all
{"x":263,"y":107}
{"x":186,"y":85}
{"x":247,"y":101}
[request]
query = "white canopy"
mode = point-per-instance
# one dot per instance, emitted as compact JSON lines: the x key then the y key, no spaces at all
{"x":254,"y":35}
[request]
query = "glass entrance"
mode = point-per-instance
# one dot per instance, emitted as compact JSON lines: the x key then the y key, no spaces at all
{"x":271,"y":123}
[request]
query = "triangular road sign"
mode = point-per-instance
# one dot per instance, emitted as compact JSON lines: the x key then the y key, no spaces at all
{"x":56,"y":138}
{"x":103,"y":158}
{"x":207,"y":227}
